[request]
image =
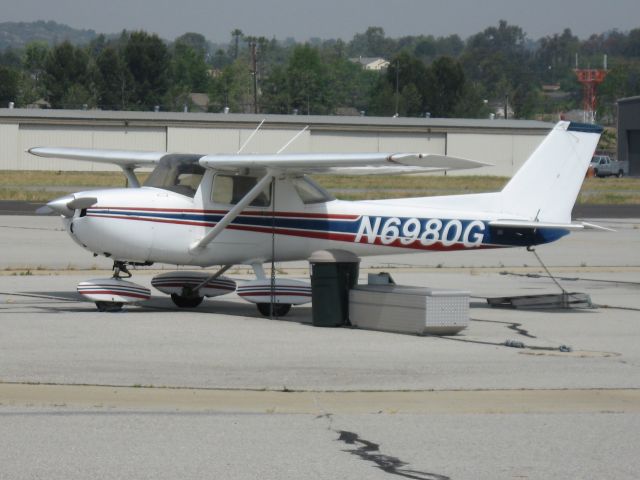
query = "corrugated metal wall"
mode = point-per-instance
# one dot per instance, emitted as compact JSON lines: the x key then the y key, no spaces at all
{"x":507,"y":147}
{"x":230,"y":140}
{"x":507,"y":152}
{"x":121,"y":138}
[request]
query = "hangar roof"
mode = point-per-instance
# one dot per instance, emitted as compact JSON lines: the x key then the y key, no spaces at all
{"x":272,"y":121}
{"x":629,"y":100}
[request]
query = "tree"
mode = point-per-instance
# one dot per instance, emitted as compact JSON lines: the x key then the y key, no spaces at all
{"x":33,"y":64}
{"x":555,"y":56}
{"x":65,"y":67}
{"x":147,"y":60}
{"x":495,"y":57}
{"x":196,"y":41}
{"x":113,"y":80}
{"x":371,"y":43}
{"x":237,"y":35}
{"x":9,"y":85}
{"x":275,"y":92}
{"x":188,"y":68}
{"x":232,"y":88}
{"x":308,"y":81}
{"x":622,"y":81}
{"x":444,"y":87}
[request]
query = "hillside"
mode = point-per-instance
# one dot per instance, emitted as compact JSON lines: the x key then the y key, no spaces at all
{"x":19,"y":34}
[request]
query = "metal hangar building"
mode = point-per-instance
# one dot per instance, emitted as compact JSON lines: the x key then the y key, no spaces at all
{"x":629,"y":133}
{"x":505,"y":144}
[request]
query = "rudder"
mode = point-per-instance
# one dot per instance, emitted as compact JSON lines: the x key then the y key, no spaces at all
{"x":547,"y":185}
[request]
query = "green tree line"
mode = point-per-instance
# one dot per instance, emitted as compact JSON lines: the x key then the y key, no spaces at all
{"x":427,"y":75}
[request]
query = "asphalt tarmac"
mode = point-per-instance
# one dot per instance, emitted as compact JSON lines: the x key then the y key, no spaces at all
{"x":221,"y":392}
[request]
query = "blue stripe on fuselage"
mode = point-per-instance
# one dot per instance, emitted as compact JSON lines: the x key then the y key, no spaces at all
{"x":491,"y":235}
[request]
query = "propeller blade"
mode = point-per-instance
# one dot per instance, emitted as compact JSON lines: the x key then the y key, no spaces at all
{"x":44,"y":210}
{"x":59,"y":205}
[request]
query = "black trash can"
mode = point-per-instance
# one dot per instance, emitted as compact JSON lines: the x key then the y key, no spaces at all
{"x":333,"y":274}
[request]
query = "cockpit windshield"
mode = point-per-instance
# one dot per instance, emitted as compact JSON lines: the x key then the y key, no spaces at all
{"x":310,"y":192}
{"x":177,"y":173}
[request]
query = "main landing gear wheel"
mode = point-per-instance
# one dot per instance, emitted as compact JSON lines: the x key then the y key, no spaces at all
{"x":109,"y":306}
{"x":279,"y":309}
{"x":186,"y":302}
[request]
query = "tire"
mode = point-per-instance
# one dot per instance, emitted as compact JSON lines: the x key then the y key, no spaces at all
{"x":595,"y":172}
{"x":186,"y":302}
{"x":279,"y":309}
{"x":620,"y":174}
{"x":109,"y":306}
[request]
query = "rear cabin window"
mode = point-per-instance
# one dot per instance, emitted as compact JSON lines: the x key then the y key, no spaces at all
{"x":230,"y":189}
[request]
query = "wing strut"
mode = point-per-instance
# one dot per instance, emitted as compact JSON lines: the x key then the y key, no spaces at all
{"x":131,"y":176}
{"x":233,"y":213}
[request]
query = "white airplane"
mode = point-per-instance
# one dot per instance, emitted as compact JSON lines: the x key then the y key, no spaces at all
{"x":221,"y":209}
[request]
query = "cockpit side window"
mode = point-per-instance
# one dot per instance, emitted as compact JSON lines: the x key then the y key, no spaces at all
{"x":230,"y":189}
{"x":176,"y":174}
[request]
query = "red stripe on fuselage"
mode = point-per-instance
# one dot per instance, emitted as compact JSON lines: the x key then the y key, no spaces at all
{"x":254,"y":213}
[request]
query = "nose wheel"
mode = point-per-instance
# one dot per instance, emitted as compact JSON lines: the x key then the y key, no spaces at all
{"x":111,"y":294}
{"x":186,"y":301}
{"x":278,"y":309}
{"x":109,"y":306}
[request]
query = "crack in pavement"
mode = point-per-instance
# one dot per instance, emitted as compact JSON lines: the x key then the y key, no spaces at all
{"x":370,"y":452}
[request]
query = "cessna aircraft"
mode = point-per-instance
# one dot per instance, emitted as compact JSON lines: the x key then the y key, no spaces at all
{"x":221,"y":209}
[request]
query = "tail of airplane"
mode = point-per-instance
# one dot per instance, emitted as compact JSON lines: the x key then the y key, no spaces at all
{"x":546,"y":187}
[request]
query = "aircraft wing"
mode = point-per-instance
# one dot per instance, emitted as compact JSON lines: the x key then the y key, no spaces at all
{"x":122,"y":158}
{"x":342,"y":163}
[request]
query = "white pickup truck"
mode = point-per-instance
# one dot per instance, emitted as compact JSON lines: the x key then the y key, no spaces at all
{"x":605,"y":166}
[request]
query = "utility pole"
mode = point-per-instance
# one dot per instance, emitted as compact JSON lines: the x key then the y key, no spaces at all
{"x":506,"y":107}
{"x":397,"y":86}
{"x":254,"y":70}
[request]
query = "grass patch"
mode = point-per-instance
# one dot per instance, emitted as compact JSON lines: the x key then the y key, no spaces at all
{"x":56,"y":179}
{"x":457,"y":184}
{"x":31,"y":195}
{"x":601,"y":191}
{"x":610,"y":198}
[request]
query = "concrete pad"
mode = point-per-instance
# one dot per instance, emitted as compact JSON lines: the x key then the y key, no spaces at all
{"x":159,"y":392}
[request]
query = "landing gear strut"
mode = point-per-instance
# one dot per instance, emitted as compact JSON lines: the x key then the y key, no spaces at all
{"x":120,"y":270}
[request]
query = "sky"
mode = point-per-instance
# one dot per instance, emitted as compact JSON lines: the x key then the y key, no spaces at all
{"x":305,"y":19}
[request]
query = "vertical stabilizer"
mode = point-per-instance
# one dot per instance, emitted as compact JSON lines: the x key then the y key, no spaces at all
{"x":547,"y":185}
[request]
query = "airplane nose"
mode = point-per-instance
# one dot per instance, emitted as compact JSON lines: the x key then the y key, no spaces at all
{"x":67,"y":205}
{"x":60,"y":205}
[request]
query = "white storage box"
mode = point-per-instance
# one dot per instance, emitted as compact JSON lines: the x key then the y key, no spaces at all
{"x":406,"y":309}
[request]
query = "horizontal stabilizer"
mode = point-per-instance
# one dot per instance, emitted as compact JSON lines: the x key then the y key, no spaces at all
{"x":534,"y":225}
{"x":547,"y":225}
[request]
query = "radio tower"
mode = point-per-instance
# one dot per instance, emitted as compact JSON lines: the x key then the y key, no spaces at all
{"x":590,"y":78}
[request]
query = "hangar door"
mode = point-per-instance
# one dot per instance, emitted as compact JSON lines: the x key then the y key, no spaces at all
{"x":151,"y":139}
{"x":633,"y":137}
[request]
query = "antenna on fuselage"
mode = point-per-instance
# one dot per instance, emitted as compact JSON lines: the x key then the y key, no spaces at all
{"x":293,"y":139}
{"x":250,"y":137}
